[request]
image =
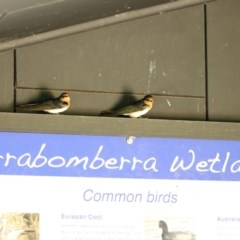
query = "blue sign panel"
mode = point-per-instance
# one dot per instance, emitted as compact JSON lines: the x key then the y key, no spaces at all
{"x":112,"y":157}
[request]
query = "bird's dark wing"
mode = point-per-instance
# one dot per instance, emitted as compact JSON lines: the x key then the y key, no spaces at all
{"x":137,"y":106}
{"x":46,"y":105}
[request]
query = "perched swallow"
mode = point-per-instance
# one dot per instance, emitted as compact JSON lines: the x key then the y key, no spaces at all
{"x":54,"y":106}
{"x":133,"y":110}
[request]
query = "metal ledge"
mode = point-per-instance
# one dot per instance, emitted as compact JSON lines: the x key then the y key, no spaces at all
{"x":66,"y":124}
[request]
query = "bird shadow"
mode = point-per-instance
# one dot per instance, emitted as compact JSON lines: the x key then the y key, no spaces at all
{"x":125,"y":98}
{"x":40,"y":96}
{"x":43,"y":95}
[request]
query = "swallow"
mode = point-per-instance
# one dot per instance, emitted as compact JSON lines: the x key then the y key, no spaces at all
{"x":133,"y":110}
{"x":54,"y":106}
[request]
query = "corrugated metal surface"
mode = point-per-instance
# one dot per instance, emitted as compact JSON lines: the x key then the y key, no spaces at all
{"x":161,"y":54}
{"x":28,"y":21}
{"x":223,"y":60}
{"x":23,"y":18}
{"x":186,"y":58}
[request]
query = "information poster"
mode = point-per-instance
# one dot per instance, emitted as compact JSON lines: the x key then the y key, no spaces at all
{"x":77,"y":187}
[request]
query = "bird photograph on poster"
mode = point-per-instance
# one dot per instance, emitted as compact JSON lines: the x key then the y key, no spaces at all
{"x":170,"y":228}
{"x":19,"y":226}
{"x":174,"y":235}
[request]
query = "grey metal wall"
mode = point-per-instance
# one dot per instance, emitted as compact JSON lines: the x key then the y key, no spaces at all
{"x":188,"y":59}
{"x":223,"y":60}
